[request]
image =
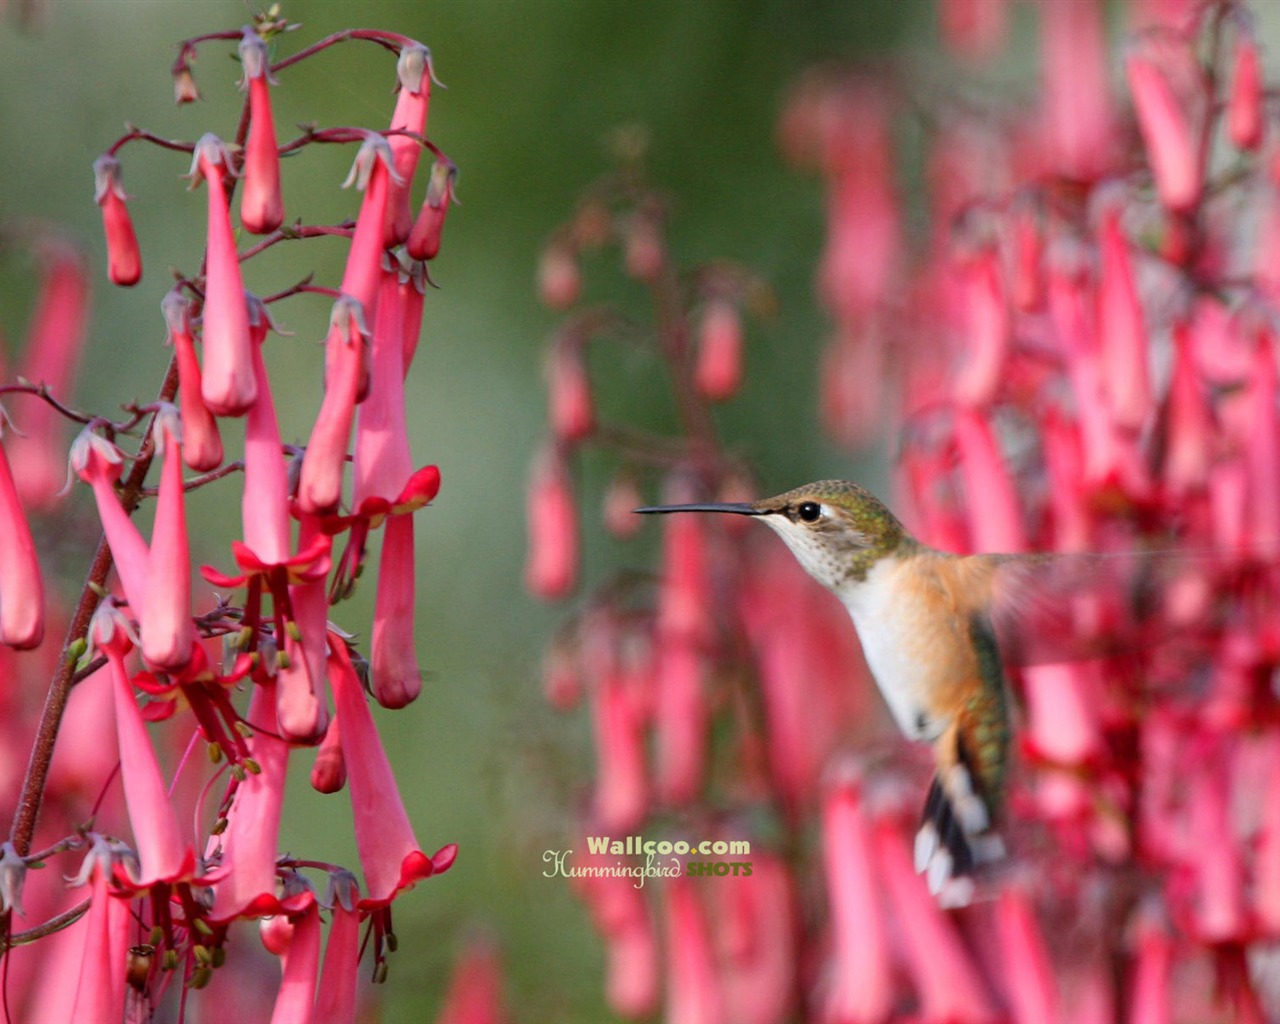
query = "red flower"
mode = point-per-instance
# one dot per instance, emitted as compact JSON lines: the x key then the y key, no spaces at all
{"x":261,"y":206}
{"x":124,"y":261}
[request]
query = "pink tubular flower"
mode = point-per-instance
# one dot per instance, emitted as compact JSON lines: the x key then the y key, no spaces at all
{"x":424,"y":239}
{"x":1077,"y":114}
{"x":336,"y":994}
{"x":987,"y":328}
{"x":570,"y":407}
{"x":1165,"y":122}
{"x":163,"y":856}
{"x":1150,"y":1000}
{"x":1245,"y":98}
{"x":622,"y":916}
{"x":98,"y":462}
{"x":320,"y":483}
{"x":757,"y":941}
{"x":100,"y":984}
{"x":168,"y":634}
{"x":1030,"y":985}
{"x":415,"y":75}
{"x":21,"y":583}
{"x":389,"y":852}
{"x":228,"y":384}
{"x":621,"y":792}
{"x":124,"y":261}
{"x":261,"y":206}
{"x":693,"y":989}
{"x":1262,"y":451}
{"x":474,"y":995}
{"x":1122,"y":328}
{"x":1188,"y":450}
{"x":201,"y":441}
{"x":246,"y":852}
{"x":300,"y":967}
{"x":995,"y":518}
{"x":55,"y":338}
{"x":974,"y":29}
{"x":559,"y":279}
{"x":945,"y":978}
{"x":552,"y":567}
{"x":718,"y":372}
{"x":860,"y":983}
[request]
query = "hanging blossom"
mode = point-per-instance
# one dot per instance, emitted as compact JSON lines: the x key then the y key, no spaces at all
{"x":199,"y":849}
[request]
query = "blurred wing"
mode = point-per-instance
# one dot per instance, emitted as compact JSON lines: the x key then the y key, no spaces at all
{"x":1048,"y":608}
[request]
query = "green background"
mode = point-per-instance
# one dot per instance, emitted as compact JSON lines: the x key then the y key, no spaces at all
{"x":533,"y":89}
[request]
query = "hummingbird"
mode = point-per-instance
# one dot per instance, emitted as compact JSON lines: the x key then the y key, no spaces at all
{"x":936,"y":629}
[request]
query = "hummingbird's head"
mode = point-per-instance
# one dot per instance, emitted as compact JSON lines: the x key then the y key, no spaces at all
{"x":836,"y":529}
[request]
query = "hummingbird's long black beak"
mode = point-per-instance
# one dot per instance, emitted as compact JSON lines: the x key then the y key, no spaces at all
{"x":736,"y":507}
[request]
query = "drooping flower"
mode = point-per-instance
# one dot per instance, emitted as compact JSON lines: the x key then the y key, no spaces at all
{"x":300,"y":969}
{"x":719,"y":367}
{"x":21,"y":582}
{"x":98,"y":463}
{"x":201,"y":440}
{"x":228,"y":383}
{"x":415,"y":75}
{"x":261,"y":205}
{"x":124,"y":260}
{"x":389,"y":852}
{"x":1163,"y":78}
{"x":424,"y":240}
{"x":163,"y":856}
{"x":859,"y":983}
{"x":167,"y":632}
{"x":336,"y":993}
{"x":1245,"y":98}
{"x":55,"y":338}
{"x":552,"y":567}
{"x":693,"y":988}
{"x":99,"y":986}
{"x":474,"y":995}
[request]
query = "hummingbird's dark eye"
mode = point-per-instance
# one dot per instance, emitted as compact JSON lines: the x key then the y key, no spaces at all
{"x":809,"y":511}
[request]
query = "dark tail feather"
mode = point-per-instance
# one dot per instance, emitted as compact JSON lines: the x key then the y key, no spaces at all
{"x":956,"y":836}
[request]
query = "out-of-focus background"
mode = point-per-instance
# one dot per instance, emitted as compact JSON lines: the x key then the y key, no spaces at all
{"x":534,"y":89}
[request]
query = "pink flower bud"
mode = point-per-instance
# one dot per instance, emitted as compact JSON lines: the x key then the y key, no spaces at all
{"x":415,"y":75}
{"x":572,"y":412}
{"x":1122,"y":329}
{"x":21,"y":584}
{"x":124,"y":261}
{"x":201,"y":441}
{"x":261,"y":205}
{"x":681,"y":717}
{"x":339,"y":977}
{"x":320,"y":483}
{"x":718,"y":371}
{"x":1026,"y":276}
{"x":167,"y":632}
{"x":1165,"y":120}
{"x":329,"y":770}
{"x":559,"y":280}
{"x":1245,"y":97}
{"x":227,"y":384}
{"x":1077,"y":115}
{"x":300,"y":967}
{"x":424,"y":239}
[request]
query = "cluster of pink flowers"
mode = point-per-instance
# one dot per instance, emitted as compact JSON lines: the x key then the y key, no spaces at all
{"x":177,"y":863}
{"x":1078,"y":354}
